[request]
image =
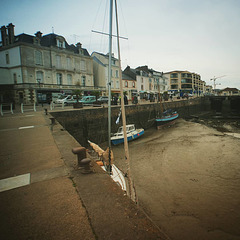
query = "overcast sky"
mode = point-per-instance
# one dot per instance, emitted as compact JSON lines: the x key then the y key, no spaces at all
{"x":198,"y":36}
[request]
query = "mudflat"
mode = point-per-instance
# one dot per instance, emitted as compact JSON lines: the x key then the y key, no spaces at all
{"x":187,"y":179}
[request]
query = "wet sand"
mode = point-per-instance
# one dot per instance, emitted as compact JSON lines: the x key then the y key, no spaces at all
{"x":187,"y":179}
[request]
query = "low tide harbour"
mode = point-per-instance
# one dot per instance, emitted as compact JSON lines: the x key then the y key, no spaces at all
{"x":187,"y":179}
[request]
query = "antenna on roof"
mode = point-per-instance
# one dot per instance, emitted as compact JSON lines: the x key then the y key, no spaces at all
{"x":52,"y":29}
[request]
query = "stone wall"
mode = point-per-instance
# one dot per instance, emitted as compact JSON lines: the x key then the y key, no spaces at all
{"x":92,"y":124}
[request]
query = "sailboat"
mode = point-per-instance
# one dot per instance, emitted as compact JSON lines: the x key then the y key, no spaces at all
{"x":166,"y":117}
{"x":110,"y":168}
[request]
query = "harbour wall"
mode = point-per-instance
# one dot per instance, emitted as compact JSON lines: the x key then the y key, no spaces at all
{"x":92,"y":124}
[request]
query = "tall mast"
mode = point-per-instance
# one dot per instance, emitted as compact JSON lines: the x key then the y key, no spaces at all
{"x":130,"y":184}
{"x":109,"y":83}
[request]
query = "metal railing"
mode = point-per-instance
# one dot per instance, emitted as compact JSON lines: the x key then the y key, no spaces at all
{"x":10,"y":105}
{"x":25,"y":107}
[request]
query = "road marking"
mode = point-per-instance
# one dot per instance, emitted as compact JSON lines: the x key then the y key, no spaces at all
{"x":25,"y":127}
{"x":14,"y":182}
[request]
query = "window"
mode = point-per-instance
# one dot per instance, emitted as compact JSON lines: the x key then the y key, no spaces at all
{"x":39,"y":77}
{"x":133,"y":84}
{"x":83,"y":65}
{"x":141,"y":87}
{"x":126,"y":84}
{"x":150,"y":86}
{"x":7,"y":59}
{"x":141,"y":80}
{"x":83,"y":83}
{"x":116,"y":73}
{"x":59,"y":78}
{"x":15,"y":78}
{"x":113,"y":62}
{"x":69,"y":63}
{"x":174,"y":75}
{"x":38,"y":58}
{"x":69,"y":79}
{"x":117,"y":84}
{"x":59,"y":64}
{"x":60,"y":43}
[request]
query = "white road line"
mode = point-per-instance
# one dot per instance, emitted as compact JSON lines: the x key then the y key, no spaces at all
{"x":25,"y":127}
{"x":14,"y":182}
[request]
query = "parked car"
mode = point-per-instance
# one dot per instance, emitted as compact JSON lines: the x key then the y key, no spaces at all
{"x":88,"y":99}
{"x":67,"y":100}
{"x":63,"y":98}
{"x":103,"y":99}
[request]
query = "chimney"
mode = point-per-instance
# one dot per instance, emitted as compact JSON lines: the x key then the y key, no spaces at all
{"x":38,"y":34}
{"x":79,"y":45}
{"x":11,"y":36}
{"x":4,"y":35}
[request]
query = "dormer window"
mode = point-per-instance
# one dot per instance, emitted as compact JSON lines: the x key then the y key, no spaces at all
{"x":60,"y":43}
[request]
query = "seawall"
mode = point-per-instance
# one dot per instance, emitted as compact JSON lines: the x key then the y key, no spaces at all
{"x":92,"y":124}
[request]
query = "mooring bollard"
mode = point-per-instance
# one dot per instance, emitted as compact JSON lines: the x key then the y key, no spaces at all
{"x":83,"y":161}
{"x":46,"y":112}
{"x":52,"y":122}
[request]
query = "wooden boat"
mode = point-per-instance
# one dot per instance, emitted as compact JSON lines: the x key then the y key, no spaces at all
{"x":132,"y":133}
{"x":168,"y":118}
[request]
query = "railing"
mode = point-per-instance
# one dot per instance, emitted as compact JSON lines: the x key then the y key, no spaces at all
{"x":55,"y":105}
{"x":10,"y":105}
{"x":25,"y":107}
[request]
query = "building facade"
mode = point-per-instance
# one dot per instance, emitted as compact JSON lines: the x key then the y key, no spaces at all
{"x":148,"y":81}
{"x":100,"y":70}
{"x":34,"y":68}
{"x":181,"y":82}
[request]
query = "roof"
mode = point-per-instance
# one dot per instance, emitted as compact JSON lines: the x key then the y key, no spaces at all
{"x":104,"y":55}
{"x":48,"y":41}
{"x":98,"y":61}
{"x":126,"y":77}
{"x":230,"y":90}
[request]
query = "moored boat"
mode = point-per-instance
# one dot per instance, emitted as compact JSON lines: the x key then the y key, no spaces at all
{"x":132,"y":133}
{"x":166,"y":119}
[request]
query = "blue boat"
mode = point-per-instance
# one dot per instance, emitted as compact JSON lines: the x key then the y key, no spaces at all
{"x":132,"y":134}
{"x":166,"y":119}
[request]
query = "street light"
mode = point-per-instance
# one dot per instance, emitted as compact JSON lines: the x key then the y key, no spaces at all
{"x":39,"y":83}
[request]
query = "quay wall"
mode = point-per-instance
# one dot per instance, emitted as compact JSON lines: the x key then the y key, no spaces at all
{"x":92,"y":124}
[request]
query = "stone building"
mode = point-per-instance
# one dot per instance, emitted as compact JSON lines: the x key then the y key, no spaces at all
{"x":185,"y":82}
{"x":100,"y":69}
{"x":36,"y":68}
{"x":147,"y":81}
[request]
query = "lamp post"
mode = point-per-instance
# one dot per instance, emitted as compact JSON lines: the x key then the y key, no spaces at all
{"x":39,"y":84}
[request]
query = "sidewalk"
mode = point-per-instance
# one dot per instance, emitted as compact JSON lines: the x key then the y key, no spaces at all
{"x":52,"y":199}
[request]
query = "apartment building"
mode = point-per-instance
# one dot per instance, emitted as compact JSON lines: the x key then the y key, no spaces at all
{"x":34,"y":67}
{"x":185,"y":82}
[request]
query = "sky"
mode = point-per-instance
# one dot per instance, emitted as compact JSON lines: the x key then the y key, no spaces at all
{"x":166,"y":35}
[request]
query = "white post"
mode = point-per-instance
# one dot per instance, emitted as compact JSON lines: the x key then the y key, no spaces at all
{"x":1,"y":110}
{"x":11,"y":108}
{"x":34,"y":107}
{"x":21,"y":107}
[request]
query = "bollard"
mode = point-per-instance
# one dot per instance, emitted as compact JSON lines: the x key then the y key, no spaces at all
{"x":83,"y":161}
{"x":52,"y":122}
{"x":46,"y":112}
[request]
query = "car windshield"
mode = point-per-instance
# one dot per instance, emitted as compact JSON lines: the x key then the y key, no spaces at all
{"x":62,"y":97}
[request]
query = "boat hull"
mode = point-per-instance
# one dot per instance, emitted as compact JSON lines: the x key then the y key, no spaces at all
{"x":166,"y":121}
{"x":130,"y":137}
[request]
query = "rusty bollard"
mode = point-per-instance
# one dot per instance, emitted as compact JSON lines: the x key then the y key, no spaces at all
{"x":83,"y":161}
